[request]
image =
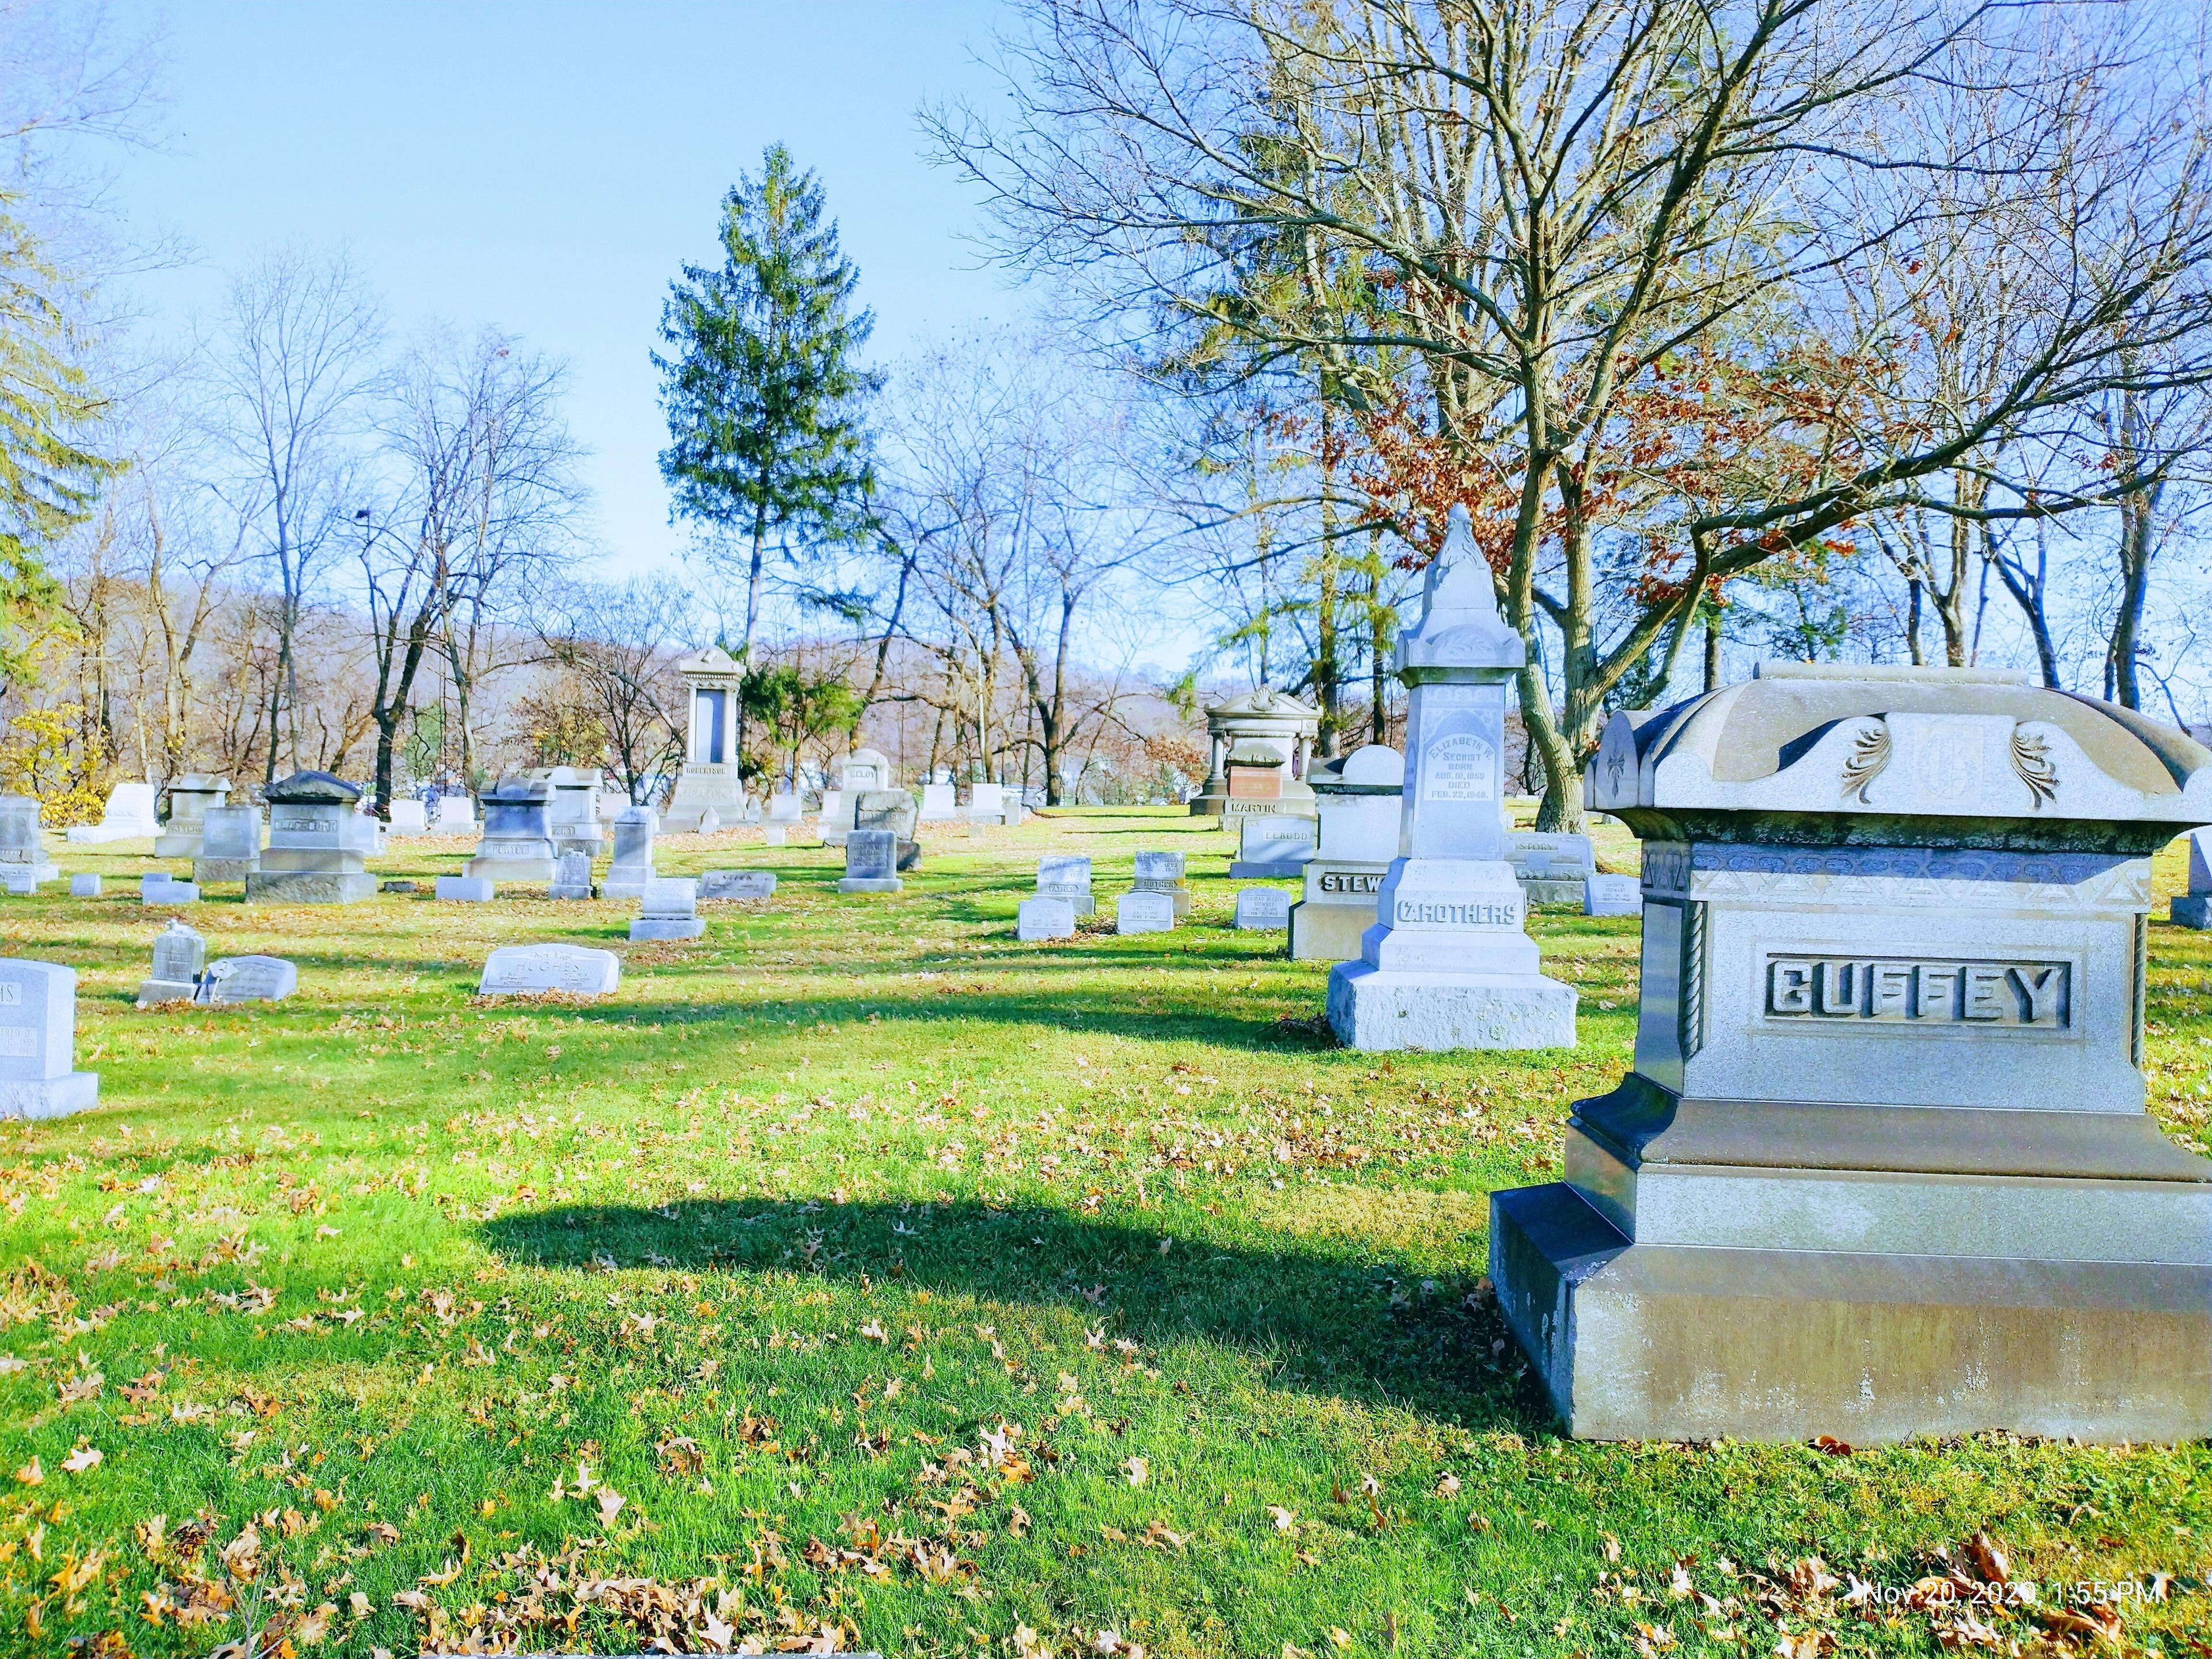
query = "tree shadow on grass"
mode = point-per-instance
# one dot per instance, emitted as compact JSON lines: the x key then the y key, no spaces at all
{"x":1374,"y":1330}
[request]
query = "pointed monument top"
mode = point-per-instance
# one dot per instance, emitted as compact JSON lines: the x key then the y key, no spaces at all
{"x":1459,"y":626}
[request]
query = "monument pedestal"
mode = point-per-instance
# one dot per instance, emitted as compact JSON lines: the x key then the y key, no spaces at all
{"x":57,"y":1096}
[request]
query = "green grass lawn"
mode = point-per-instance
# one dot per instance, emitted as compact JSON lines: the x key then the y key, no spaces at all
{"x":857,"y":1271}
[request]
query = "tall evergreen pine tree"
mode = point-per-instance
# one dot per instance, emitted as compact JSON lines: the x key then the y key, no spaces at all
{"x":766,"y":401}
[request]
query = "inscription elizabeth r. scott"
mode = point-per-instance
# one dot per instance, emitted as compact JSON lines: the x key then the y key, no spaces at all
{"x":1913,"y":991}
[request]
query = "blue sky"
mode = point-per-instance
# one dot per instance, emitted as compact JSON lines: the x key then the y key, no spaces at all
{"x":546,"y":168}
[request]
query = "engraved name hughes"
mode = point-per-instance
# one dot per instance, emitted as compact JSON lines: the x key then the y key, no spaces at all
{"x":1909,"y":991}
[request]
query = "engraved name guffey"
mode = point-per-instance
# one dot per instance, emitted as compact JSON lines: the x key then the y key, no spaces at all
{"x":1889,"y":990}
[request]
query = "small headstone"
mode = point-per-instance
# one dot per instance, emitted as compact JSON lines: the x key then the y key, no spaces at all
{"x":152,"y":881}
{"x":2194,"y":909}
{"x":38,"y":1042}
{"x":668,"y":909}
{"x":634,"y":828}
{"x":1551,"y":867}
{"x":1613,"y":895}
{"x":1162,"y":873}
{"x":19,"y":882}
{"x":230,"y":844}
{"x":179,"y":954}
{"x":248,"y":979}
{"x":129,"y":816}
{"x":177,"y":892}
{"x":572,"y":876}
{"x":886,"y":808}
{"x":987,"y":803}
{"x":466,"y":890}
{"x":774,"y":835}
{"x":534,"y":969}
{"x":1144,"y":912}
{"x":871,"y":862}
{"x":1067,"y":876}
{"x":1263,"y":907}
{"x":85,"y":886}
{"x":784,"y":807}
{"x":1044,"y":918}
{"x":1274,"y":846}
{"x":398,"y":885}
{"x":937,"y":802}
{"x":737,"y":884}
{"x":456,"y":815}
{"x":410,"y":818}
{"x":317,"y":844}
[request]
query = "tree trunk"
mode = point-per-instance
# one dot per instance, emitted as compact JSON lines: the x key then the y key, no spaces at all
{"x":1712,"y":648}
{"x":2137,"y":547}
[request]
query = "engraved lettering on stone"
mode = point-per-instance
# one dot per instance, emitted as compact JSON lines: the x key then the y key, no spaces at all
{"x":2031,"y":761}
{"x":18,"y":1042}
{"x":1887,"y":991}
{"x":1338,"y":881}
{"x":1440,"y":914}
{"x":1458,"y":766}
{"x":11,"y":996}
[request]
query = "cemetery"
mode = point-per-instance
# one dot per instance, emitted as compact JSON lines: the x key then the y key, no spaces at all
{"x":1125,"y":831}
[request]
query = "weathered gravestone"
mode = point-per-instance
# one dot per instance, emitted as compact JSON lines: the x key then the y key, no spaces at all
{"x":871,"y":862}
{"x":171,"y":891}
{"x":517,"y":834}
{"x":230,"y":844}
{"x":191,"y":797}
{"x":19,"y":882}
{"x":1882,"y":1167}
{"x":1161,"y":873}
{"x":403,"y":885}
{"x":2194,"y":909}
{"x":775,"y":835}
{"x":939,"y":803}
{"x":1447,"y":964}
{"x":1359,"y":801}
{"x":535,"y":970}
{"x":1043,"y":918}
{"x":22,"y":842}
{"x":85,"y":886}
{"x":317,"y":844}
{"x":572,"y":876}
{"x":1612,"y":895}
{"x":632,"y":867}
{"x":248,"y":979}
{"x":129,"y":815}
{"x":1551,"y":867}
{"x":862,"y":770}
{"x":987,"y":803}
{"x":38,"y":1042}
{"x":668,"y":909}
{"x":1272,"y":847}
{"x":410,"y":818}
{"x":833,"y":815}
{"x":1144,"y":912}
{"x":464,"y":890}
{"x":179,"y":954}
{"x":1067,"y":876}
{"x":1263,"y":907}
{"x":717,"y":884}
{"x":456,"y":815}
{"x":785,"y":808}
{"x":572,"y":810}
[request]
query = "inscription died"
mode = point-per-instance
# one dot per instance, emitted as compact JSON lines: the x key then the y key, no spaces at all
{"x":1459,"y":767}
{"x":19,"y":1042}
{"x":2028,"y":995}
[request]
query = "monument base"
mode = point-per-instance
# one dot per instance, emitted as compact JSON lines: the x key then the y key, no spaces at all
{"x":307,"y":887}
{"x":2192,"y":910}
{"x":1266,"y":869}
{"x":624,"y":887}
{"x":1329,"y":932}
{"x":1375,"y":1009}
{"x":1673,"y":1342}
{"x":53,"y":1097}
{"x":208,"y":871}
{"x":666,"y":928}
{"x":561,"y":891}
{"x":539,"y":872}
{"x":870,"y":885}
{"x":1551,"y":890}
{"x":166,"y":990}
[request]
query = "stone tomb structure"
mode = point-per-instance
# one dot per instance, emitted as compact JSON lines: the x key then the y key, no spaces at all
{"x":632,"y":866}
{"x":668,"y":909}
{"x":1883,"y":1167}
{"x":1359,"y":801}
{"x":180,"y":957}
{"x":248,"y":979}
{"x":38,"y":1042}
{"x":1067,"y":876}
{"x":537,"y":970}
{"x":2194,"y":909}
{"x":230,"y":845}
{"x":518,"y":833}
{"x":1256,"y":727}
{"x":1449,"y":962}
{"x":1163,"y":873}
{"x":871,"y":862}
{"x":22,"y":839}
{"x":128,"y":815}
{"x":710,"y":794}
{"x":318,"y":844}
{"x":189,"y":798}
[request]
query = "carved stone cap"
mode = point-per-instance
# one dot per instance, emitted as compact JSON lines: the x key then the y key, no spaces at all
{"x":1925,"y":743}
{"x":1253,"y":754}
{"x":528,"y":790}
{"x":1459,"y":626}
{"x":311,"y":788}
{"x":1273,"y":705}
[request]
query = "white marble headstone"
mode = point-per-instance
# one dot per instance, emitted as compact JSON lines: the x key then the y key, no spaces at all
{"x":532,"y":969}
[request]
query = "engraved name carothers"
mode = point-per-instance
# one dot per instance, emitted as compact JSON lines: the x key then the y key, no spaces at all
{"x":1918,"y":991}
{"x":1432,"y":913}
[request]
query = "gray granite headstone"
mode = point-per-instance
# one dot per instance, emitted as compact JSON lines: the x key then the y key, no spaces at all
{"x":248,"y":979}
{"x":1612,"y":895}
{"x":1067,"y":876}
{"x":85,"y":886}
{"x":38,"y":1042}
{"x":318,"y":844}
{"x":1162,"y":873}
{"x":668,"y":909}
{"x":1263,"y":908}
{"x":737,"y":885}
{"x":230,"y":844}
{"x":572,"y":876}
{"x":634,"y":828}
{"x":534,"y":969}
{"x":179,"y":954}
{"x":871,"y":862}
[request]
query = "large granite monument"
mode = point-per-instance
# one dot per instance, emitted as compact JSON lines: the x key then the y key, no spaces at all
{"x":1883,"y":1167}
{"x":709,"y":793}
{"x":1258,"y":743}
{"x":230,"y":845}
{"x":189,"y":798}
{"x":518,"y":833}
{"x":38,"y":1042}
{"x":318,"y":844}
{"x":1449,"y":962}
